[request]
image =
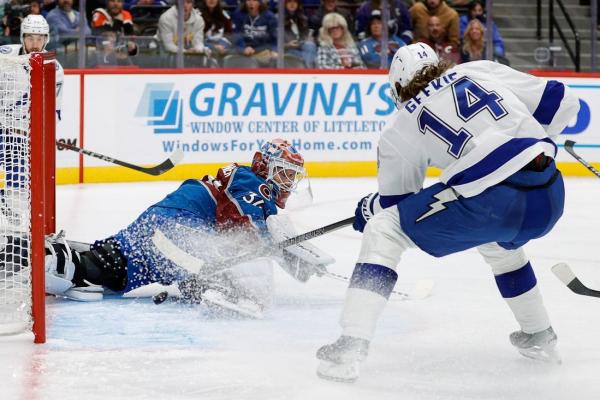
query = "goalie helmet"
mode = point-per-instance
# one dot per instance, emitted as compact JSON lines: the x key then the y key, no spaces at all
{"x":34,"y":25}
{"x":407,"y":61}
{"x":282,"y":166}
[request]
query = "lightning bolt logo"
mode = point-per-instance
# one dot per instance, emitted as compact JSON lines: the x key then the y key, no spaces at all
{"x":444,"y":196}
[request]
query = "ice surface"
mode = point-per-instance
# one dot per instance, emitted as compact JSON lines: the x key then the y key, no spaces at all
{"x":453,"y":345}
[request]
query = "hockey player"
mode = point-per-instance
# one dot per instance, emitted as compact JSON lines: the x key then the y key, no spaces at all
{"x":491,"y":130}
{"x":234,"y":209}
{"x":35,"y":35}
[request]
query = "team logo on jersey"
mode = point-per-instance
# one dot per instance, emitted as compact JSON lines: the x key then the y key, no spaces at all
{"x":162,"y":107}
{"x":5,"y":50}
{"x":264,"y":191}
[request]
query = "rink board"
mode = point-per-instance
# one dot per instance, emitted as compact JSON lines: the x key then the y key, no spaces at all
{"x":222,"y":116}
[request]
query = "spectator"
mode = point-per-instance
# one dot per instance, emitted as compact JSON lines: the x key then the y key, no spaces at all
{"x":438,"y":40}
{"x":217,"y":27}
{"x":337,"y":49}
{"x":193,"y":29}
{"x":477,"y":11}
{"x":14,"y":12}
{"x":35,"y":7}
{"x":47,"y":6}
{"x":421,"y":12}
{"x":297,"y":40}
{"x":400,"y":20}
{"x":473,"y":42}
{"x":255,"y":30}
{"x":115,"y":19}
{"x":370,"y":48}
{"x":329,"y":6}
{"x":64,"y":22}
{"x":112,"y":50}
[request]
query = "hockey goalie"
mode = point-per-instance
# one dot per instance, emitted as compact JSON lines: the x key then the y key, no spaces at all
{"x":213,"y":238}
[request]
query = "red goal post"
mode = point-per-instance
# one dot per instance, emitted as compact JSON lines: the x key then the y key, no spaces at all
{"x":27,"y":188}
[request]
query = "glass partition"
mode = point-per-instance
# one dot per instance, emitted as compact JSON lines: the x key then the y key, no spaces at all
{"x":328,"y":34}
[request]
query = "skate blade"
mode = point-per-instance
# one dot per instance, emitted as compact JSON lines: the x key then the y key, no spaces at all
{"x":346,"y":373}
{"x":544,"y":354}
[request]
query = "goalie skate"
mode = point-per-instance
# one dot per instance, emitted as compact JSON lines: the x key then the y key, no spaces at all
{"x":538,"y":346}
{"x":340,"y":361}
{"x":240,"y":305}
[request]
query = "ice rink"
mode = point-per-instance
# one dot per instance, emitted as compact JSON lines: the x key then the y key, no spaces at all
{"x":452,"y":345}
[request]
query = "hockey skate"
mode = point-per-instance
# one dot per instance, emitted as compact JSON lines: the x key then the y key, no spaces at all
{"x":340,"y":361}
{"x":60,"y":263}
{"x":538,"y":346}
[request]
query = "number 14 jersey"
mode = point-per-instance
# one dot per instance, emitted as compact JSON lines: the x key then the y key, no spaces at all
{"x":480,"y":122}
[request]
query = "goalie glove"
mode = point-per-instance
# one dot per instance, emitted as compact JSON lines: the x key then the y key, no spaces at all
{"x":302,"y":260}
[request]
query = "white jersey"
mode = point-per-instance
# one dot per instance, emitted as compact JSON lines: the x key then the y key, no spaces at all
{"x":480,"y":122}
{"x":16,"y":50}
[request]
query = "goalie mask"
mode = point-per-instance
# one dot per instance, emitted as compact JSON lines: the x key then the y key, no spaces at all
{"x":35,"y":25}
{"x":407,"y":61}
{"x":280,"y":164}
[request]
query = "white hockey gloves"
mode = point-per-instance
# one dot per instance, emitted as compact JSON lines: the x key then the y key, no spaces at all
{"x":302,"y":260}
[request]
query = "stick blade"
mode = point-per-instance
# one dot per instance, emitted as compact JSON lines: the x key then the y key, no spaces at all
{"x":176,"y":157}
{"x":422,"y":289}
{"x":569,"y":143}
{"x":564,"y":273}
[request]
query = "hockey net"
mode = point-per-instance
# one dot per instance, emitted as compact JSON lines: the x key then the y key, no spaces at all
{"x":27,"y":170}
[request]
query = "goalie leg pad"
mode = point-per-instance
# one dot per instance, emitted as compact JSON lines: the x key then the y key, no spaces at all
{"x":105,"y":265}
{"x":60,"y":268}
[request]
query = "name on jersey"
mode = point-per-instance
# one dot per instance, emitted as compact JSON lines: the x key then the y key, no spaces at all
{"x":433,"y":87}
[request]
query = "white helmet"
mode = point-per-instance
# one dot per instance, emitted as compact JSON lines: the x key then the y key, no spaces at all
{"x":37,"y":25}
{"x":407,"y":61}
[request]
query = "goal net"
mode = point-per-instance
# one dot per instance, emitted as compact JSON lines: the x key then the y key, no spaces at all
{"x":27,"y":159}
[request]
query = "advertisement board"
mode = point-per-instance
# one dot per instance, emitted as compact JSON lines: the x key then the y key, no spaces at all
{"x":221,"y":117}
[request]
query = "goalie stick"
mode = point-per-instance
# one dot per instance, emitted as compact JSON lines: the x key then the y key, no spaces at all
{"x":569,"y":148}
{"x":156,"y":170}
{"x":421,"y":290}
{"x":566,"y":275}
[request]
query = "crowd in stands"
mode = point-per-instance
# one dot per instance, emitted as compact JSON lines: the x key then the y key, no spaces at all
{"x":328,"y":34}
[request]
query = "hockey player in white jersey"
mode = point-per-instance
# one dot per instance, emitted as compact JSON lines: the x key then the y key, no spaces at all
{"x":14,"y":120}
{"x":490,"y":129}
{"x":35,"y":35}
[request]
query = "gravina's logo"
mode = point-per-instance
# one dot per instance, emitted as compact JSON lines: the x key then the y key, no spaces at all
{"x":162,"y":106}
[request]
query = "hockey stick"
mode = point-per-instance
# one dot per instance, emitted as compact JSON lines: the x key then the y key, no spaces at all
{"x":315,"y":233}
{"x":159,"y":169}
{"x":569,"y":148}
{"x":566,"y":275}
{"x":422,"y":289}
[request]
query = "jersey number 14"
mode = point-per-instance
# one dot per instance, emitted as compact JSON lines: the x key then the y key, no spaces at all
{"x":469,"y":99}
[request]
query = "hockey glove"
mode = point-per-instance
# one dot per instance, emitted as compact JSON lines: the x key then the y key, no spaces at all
{"x":365,"y":209}
{"x":302,"y":260}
